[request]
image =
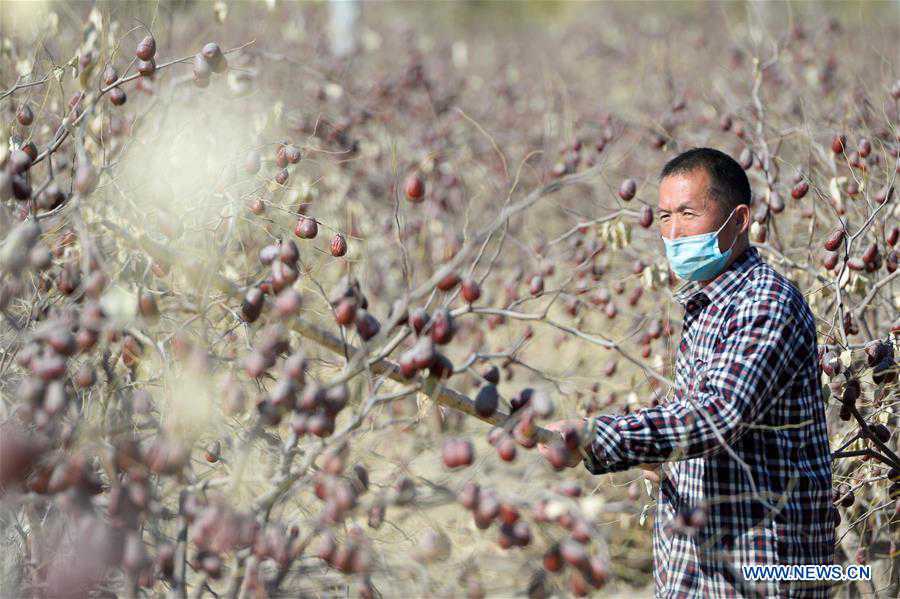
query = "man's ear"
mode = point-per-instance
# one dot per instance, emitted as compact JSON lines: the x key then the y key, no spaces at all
{"x":744,"y":218}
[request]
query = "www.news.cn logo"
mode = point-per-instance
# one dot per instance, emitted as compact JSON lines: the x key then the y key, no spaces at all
{"x":807,"y":572}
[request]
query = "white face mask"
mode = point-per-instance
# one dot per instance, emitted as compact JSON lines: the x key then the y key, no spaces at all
{"x":697,"y":257}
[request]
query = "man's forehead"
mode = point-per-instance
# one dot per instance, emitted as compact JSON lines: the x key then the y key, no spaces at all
{"x":683,"y":190}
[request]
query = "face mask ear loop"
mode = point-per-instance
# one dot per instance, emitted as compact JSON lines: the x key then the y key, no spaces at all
{"x":719,"y":230}
{"x":723,"y":226}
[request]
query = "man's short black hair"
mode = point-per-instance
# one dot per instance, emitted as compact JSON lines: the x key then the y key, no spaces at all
{"x":728,"y":183}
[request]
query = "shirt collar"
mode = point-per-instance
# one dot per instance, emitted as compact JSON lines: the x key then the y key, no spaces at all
{"x":724,"y":283}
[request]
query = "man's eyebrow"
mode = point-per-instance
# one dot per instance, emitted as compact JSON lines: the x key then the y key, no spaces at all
{"x":680,"y":208}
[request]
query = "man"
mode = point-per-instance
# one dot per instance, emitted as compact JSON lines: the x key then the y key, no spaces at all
{"x":747,"y":473}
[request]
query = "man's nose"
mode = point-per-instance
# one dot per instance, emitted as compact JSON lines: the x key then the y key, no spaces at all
{"x":670,"y":230}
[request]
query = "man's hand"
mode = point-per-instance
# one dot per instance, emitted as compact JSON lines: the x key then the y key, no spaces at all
{"x":651,"y":472}
{"x":573,"y":457}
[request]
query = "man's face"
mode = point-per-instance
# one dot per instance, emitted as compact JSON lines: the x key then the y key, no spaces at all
{"x":685,"y":209}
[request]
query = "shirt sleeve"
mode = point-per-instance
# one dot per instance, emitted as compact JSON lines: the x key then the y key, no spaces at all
{"x":757,"y":350}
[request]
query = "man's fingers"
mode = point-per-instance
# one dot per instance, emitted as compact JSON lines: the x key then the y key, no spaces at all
{"x":651,"y":474}
{"x":554,"y":426}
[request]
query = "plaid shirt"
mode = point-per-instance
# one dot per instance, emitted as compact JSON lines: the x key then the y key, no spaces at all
{"x":744,"y":439}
